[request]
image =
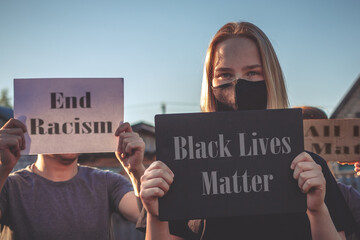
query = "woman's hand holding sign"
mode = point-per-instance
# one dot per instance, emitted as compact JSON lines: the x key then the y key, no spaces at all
{"x":155,"y":183}
{"x":130,"y":153}
{"x":310,"y":180}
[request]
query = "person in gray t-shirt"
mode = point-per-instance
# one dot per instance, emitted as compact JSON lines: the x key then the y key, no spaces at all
{"x":55,"y":198}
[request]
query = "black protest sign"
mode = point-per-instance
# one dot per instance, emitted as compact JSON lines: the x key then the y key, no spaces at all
{"x":230,"y":163}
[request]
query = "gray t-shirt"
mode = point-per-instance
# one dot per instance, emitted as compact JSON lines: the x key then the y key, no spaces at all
{"x":33,"y":207}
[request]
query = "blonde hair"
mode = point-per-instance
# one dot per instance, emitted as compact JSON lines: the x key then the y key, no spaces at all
{"x":274,"y":78}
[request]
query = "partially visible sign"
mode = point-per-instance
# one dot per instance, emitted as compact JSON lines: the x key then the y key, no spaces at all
{"x":333,"y":139}
{"x":230,"y":163}
{"x":69,"y":115}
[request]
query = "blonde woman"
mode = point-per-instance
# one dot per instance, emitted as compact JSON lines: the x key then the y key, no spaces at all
{"x":242,"y":72}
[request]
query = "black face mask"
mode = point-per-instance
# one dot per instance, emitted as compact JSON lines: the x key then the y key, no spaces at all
{"x":240,"y":95}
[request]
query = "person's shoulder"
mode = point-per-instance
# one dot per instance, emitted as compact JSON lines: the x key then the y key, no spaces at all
{"x":20,"y":177}
{"x":344,"y":186}
{"x":96,"y":172}
{"x":99,"y":176}
{"x":21,"y":173}
{"x":88,"y":170}
{"x":90,"y":175}
{"x":349,"y":189}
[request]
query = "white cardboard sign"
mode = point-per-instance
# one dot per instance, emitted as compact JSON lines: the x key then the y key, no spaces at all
{"x":69,"y":115}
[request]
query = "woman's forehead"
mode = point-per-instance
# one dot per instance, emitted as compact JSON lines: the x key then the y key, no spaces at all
{"x":236,"y":51}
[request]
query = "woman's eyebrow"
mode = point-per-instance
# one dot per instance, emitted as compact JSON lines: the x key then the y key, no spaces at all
{"x":249,"y":67}
{"x":223,"y":69}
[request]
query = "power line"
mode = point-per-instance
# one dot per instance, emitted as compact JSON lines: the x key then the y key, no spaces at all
{"x":163,"y":106}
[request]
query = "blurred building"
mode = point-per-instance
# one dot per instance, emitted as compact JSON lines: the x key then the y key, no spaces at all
{"x":349,"y":107}
{"x":147,"y":132}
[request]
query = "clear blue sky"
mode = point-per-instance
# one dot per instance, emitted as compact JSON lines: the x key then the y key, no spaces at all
{"x":159,"y":46}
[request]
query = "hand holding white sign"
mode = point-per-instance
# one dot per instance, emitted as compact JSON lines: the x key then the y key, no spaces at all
{"x":12,"y":141}
{"x":130,"y":153}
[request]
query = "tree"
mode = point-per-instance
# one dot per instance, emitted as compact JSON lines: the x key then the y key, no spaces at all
{"x":4,"y":98}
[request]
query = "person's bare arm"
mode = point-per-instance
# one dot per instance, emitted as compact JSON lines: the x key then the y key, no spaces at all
{"x":128,"y":207}
{"x":130,"y":154}
{"x":322,"y":226}
{"x":312,"y":182}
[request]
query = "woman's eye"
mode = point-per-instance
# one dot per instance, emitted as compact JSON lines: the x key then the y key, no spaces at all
{"x":222,"y":78}
{"x":252,"y":73}
{"x":224,"y":75}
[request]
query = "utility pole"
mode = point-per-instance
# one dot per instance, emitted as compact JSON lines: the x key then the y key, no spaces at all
{"x":163,"y":108}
